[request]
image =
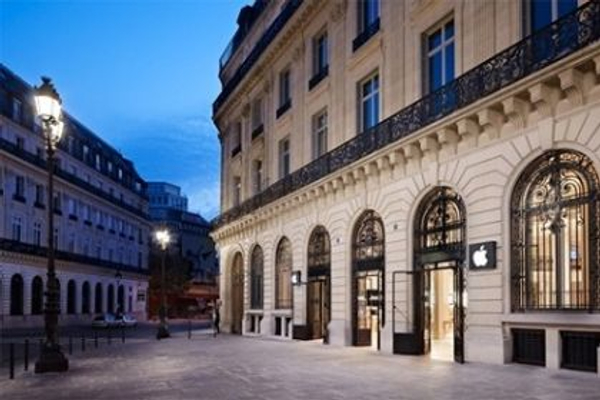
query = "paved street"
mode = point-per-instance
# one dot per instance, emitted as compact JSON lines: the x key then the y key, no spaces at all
{"x":229,"y":367}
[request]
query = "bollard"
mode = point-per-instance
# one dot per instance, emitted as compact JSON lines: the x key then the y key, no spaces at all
{"x":26,"y":355}
{"x":70,"y":344}
{"x":96,"y":340}
{"x":11,"y":361}
{"x":122,"y":334}
{"x":82,"y":342}
{"x":189,"y":329}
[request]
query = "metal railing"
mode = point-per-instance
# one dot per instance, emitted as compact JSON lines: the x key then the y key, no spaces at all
{"x":544,"y":47}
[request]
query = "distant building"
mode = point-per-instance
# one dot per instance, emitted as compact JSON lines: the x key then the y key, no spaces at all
{"x":101,"y":219}
{"x":168,"y":207}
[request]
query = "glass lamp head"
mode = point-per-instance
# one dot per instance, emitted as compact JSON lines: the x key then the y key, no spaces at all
{"x":163,"y":237}
{"x":47,"y":101}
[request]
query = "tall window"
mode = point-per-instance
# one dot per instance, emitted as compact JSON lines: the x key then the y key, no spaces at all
{"x":368,"y":14}
{"x":320,"y":54}
{"x":110,"y":305}
{"x":237,"y":190}
{"x":284,"y":157}
{"x":257,"y":175}
{"x":17,"y":229}
{"x":37,"y":296}
{"x":319,"y":136}
{"x":285,"y":92}
{"x":19,"y":188}
{"x":256,"y":278}
{"x":369,"y":102}
{"x":39,"y":195}
{"x":544,"y":12}
{"x":17,"y":111}
{"x":71,"y":297}
{"x":555,"y":210}
{"x":16,"y":295}
{"x":257,"y":115}
{"x":236,"y":139}
{"x":98,"y":299}
{"x":37,"y":233}
{"x":57,"y":203}
{"x":440,"y":56}
{"x":85,"y":298}
{"x":283,"y":275}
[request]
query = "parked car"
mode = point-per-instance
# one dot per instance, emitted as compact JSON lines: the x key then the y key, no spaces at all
{"x":127,"y":321}
{"x":106,"y":320}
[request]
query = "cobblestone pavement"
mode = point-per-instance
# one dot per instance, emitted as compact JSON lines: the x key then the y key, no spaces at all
{"x":229,"y":367}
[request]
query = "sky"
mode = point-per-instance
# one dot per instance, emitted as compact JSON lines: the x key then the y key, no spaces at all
{"x":141,"y":74}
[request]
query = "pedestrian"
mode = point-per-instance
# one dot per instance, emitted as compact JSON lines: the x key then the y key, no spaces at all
{"x":216,"y":318}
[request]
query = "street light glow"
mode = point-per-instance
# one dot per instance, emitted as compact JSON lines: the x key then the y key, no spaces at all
{"x":47,"y":102}
{"x":163,"y":237}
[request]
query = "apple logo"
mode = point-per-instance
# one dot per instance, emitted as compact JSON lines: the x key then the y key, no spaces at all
{"x":480,"y":257}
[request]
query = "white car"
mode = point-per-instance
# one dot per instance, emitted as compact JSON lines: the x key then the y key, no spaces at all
{"x":107,"y":320}
{"x":127,"y":321}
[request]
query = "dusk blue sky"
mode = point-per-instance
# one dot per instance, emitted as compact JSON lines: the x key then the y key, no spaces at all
{"x":142,"y":74}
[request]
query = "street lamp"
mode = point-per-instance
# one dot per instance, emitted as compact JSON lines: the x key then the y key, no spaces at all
{"x":49,"y":113}
{"x":163,"y":238}
{"x":120,"y":299}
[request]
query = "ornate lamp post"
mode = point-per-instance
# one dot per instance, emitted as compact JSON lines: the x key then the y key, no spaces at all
{"x":48,"y":108}
{"x":163,"y":238}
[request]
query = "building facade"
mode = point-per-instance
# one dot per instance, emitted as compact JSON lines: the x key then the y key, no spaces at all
{"x":100,"y":218}
{"x":425,"y":171}
{"x":190,"y":231}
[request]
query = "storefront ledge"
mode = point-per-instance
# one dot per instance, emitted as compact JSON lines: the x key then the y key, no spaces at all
{"x":557,"y":319}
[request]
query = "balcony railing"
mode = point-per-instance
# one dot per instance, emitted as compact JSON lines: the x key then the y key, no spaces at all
{"x":546,"y":46}
{"x":33,"y":159}
{"x":262,"y":44}
{"x":40,"y":251}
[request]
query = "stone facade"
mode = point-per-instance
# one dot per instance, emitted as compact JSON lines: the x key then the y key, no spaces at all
{"x":100,"y":219}
{"x":479,"y":151}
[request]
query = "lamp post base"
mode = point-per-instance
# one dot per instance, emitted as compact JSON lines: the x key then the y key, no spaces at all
{"x":51,"y":360}
{"x":163,"y":332}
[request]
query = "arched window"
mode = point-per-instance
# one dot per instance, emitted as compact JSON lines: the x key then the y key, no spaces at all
{"x":319,"y":252}
{"x":71,"y":297}
{"x":16,"y":295}
{"x":110,"y":306}
{"x":256,"y":278}
{"x":37,"y":296}
{"x":368,"y":237}
{"x":237,"y":293}
{"x":98,"y":299}
{"x":554,"y":236}
{"x":85,"y":298}
{"x":440,"y":223}
{"x":283,"y":275}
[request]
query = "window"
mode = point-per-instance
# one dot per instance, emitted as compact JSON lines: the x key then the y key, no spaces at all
{"x":440,"y":56}
{"x":72,"y":207}
{"x":257,"y":116}
{"x":109,"y":167}
{"x":85,"y":298}
{"x":71,"y":243}
{"x":368,"y":22}
{"x":369,"y":102}
{"x":16,"y":295}
{"x":57,"y":203}
{"x":86,"y":152}
{"x":554,"y":243}
{"x":39,"y":195}
{"x":320,"y":60}
{"x":120,"y":174}
{"x":284,"y":157}
{"x":257,"y":175}
{"x":19,"y":188}
{"x":17,"y":111}
{"x":20,"y":143}
{"x":544,"y":12}
{"x":319,"y":135}
{"x":283,"y":275}
{"x":98,"y":299}
{"x":37,"y":296}
{"x":236,"y":140}
{"x":98,"y":162}
{"x":368,"y":14}
{"x":16,"y":229}
{"x":37,"y":234}
{"x":71,"y":297}
{"x":285,"y":92}
{"x":237,"y":190}
{"x":256,"y":278}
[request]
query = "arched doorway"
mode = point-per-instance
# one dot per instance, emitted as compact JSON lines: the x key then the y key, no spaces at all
{"x":71,"y":297}
{"x":37,"y":296}
{"x":237,"y":293}
{"x":110,"y":305}
{"x":98,"y":299}
{"x":16,"y":295}
{"x":318,"y":313}
{"x":368,"y":280}
{"x":256,"y":278}
{"x":85,"y":298}
{"x":438,"y":277}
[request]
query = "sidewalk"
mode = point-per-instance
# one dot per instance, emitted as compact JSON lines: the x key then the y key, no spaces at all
{"x":231,"y":367}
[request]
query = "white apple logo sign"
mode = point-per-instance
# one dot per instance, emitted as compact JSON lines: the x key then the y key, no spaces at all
{"x":480,"y":257}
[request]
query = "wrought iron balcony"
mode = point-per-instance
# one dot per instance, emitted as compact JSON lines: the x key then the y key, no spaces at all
{"x":366,"y":34}
{"x":41,"y":251}
{"x":546,"y":46}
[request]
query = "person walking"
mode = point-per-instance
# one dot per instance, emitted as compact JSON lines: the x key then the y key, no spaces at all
{"x":216,"y":318}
